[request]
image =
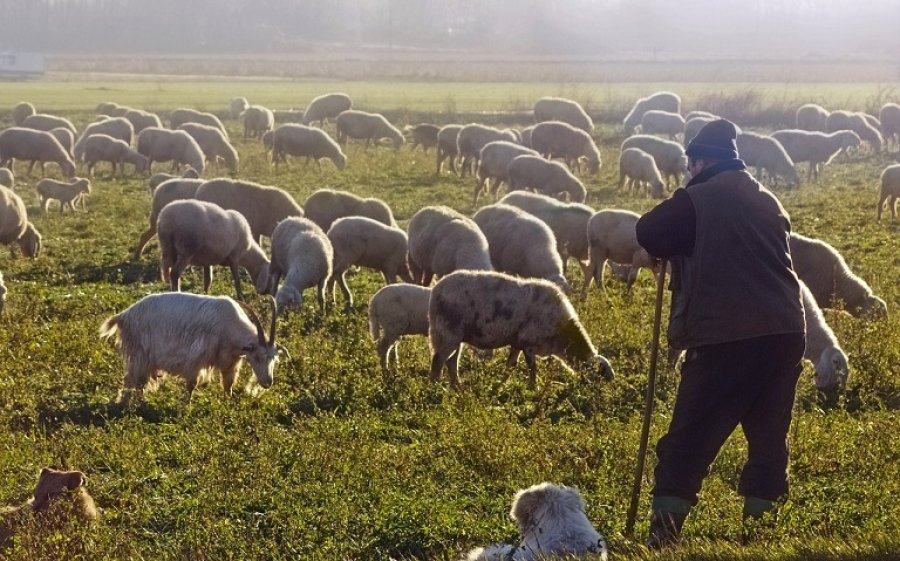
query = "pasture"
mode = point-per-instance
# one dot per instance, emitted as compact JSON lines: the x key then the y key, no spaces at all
{"x":337,"y":461}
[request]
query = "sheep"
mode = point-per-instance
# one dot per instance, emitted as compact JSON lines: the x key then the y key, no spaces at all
{"x":663,"y":101}
{"x":107,"y":108}
{"x":141,"y":120}
{"x":812,"y":117}
{"x":42,"y":122}
{"x":489,"y":310}
{"x":268,"y":142}
{"x":237,"y":105}
{"x":163,"y":145}
{"x":700,"y":115}
{"x":424,"y":135}
{"x":327,"y":205}
{"x":116,"y":127}
{"x":612,"y":236}
{"x":68,"y":194}
{"x":565,"y":110}
{"x":302,"y":253}
{"x":2,"y":293}
{"x":890,"y":190}
{"x":397,"y":310}
{"x":104,"y":148}
{"x":766,"y":153}
{"x":822,"y":347}
{"x":186,"y":335}
{"x":34,"y":146}
{"x":472,"y":138}
{"x":446,"y":146}
{"x":193,"y":232}
{"x":65,"y":138}
{"x":817,"y":148}
{"x":301,"y":140}
{"x":257,"y":121}
{"x":890,"y":122}
{"x":692,"y":126}
{"x":662,"y":122}
{"x":158,"y":178}
{"x":263,"y":206}
{"x":639,"y":168}
{"x":872,"y":120}
{"x":358,"y":240}
{"x":58,"y":497}
{"x":171,"y":190}
{"x":830,"y":280}
{"x":547,"y":177}
{"x":21,"y":111}
{"x":441,"y":240}
{"x":493,"y":164}
{"x":867,"y":132}
{"x":526,"y":136}
{"x":213,"y":143}
{"x":326,"y":106}
{"x":369,"y":126}
{"x":7,"y":178}
{"x":15,"y":229}
{"x":556,"y":139}
{"x":669,"y":156}
{"x":181,"y":116}
{"x":521,"y":244}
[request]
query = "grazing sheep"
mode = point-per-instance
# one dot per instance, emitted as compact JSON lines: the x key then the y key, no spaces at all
{"x":662,"y":122}
{"x":117,"y":127}
{"x":327,"y":205}
{"x":700,"y":115}
{"x":830,"y":280}
{"x":867,"y":132}
{"x":889,"y":115}
{"x":472,"y":138}
{"x":199,"y":233}
{"x":170,"y":190}
{"x":2,"y":293}
{"x":163,"y":145}
{"x":107,"y":108}
{"x":158,"y":178}
{"x":692,"y":126}
{"x":213,"y":143}
{"x":302,"y":253}
{"x":268,"y":142}
{"x":42,"y":122}
{"x":141,"y":120}
{"x":669,"y":156}
{"x":65,"y":138}
{"x":890,"y":190}
{"x":812,"y":117}
{"x":521,"y":244}
{"x":817,"y":148}
{"x":104,"y":148}
{"x":565,"y":110}
{"x":612,"y":236}
{"x":181,"y":116}
{"x":21,"y":111}
{"x":257,"y":121}
{"x":552,"y":524}
{"x":326,"y":106}
{"x":639,"y":168}
{"x":526,"y":136}
{"x":397,"y":310}
{"x":822,"y":347}
{"x":424,"y":135}
{"x":358,"y":240}
{"x":489,"y":310}
{"x":446,"y":146}
{"x":493,"y":164}
{"x":34,"y":146}
{"x":263,"y":206}
{"x":766,"y":153}
{"x":369,"y":126}
{"x":68,"y":194}
{"x":662,"y":101}
{"x":7,"y":179}
{"x":186,"y":335}
{"x":441,"y":240}
{"x":15,"y":229}
{"x":555,"y":139}
{"x":300,"y":140}
{"x":547,"y":177}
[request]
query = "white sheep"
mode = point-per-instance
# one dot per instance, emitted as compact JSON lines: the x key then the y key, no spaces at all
{"x":547,"y":177}
{"x":157,"y":178}
{"x":257,"y":121}
{"x":766,"y":153}
{"x":303,"y":141}
{"x":554,"y":139}
{"x":7,"y":178}
{"x":446,"y":146}
{"x":186,"y":335}
{"x":213,"y":143}
{"x":21,"y":111}
{"x":108,"y":109}
{"x":397,"y":310}
{"x":521,"y":244}
{"x":890,"y":190}
{"x":693,"y":125}
{"x":662,"y":122}
{"x":358,"y":240}
{"x":424,"y":135}
{"x":472,"y":138}
{"x":68,"y":194}
{"x":441,"y":240}
{"x":326,"y":106}
{"x":104,"y":148}
{"x":812,"y":117}
{"x":817,"y":148}
{"x":668,"y":155}
{"x":263,"y":206}
{"x":822,"y":347}
{"x":526,"y":135}
{"x":302,"y":254}
{"x":195,"y":232}
{"x":141,"y":119}
{"x":830,"y":280}
{"x":327,"y":205}
{"x":3,"y":296}
{"x":116,"y":127}
{"x":700,"y":115}
{"x":889,"y":115}
{"x":43,"y":122}
{"x":34,"y":146}
{"x":489,"y":310}
{"x":163,"y":145}
{"x":612,"y":236}
{"x":175,"y":189}
{"x":369,"y":126}
{"x":237,"y":105}
{"x":182,"y":115}
{"x":663,"y":101}
{"x":640,"y":171}
{"x":65,"y":138}
{"x":15,"y":229}
{"x":868,"y":132}
{"x":493,"y":164}
{"x":565,"y":110}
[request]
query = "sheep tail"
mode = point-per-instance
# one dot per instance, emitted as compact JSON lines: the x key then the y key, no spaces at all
{"x":374,"y":326}
{"x":110,"y":327}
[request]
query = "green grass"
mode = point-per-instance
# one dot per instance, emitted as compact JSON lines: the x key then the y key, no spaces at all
{"x":337,"y":461}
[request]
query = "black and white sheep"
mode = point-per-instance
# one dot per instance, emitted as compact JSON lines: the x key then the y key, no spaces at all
{"x":302,"y":254}
{"x":662,"y":101}
{"x":141,"y":119}
{"x":369,"y":126}
{"x":639,"y":170}
{"x":817,"y":148}
{"x":34,"y":146}
{"x":326,"y":106}
{"x":612,"y":237}
{"x":327,"y":205}
{"x":662,"y":122}
{"x":183,"y":115}
{"x":441,"y":240}
{"x":555,"y":139}
{"x":424,"y":135}
{"x":175,"y":189}
{"x":213,"y":143}
{"x":565,"y":110}
{"x":546,"y":177}
{"x":493,"y":165}
{"x":104,"y":148}
{"x":822,"y":347}
{"x":812,"y":117}
{"x":309,"y":142}
{"x":472,"y":138}
{"x":766,"y":153}
{"x":116,"y":127}
{"x":890,"y":190}
{"x":397,"y":310}
{"x":15,"y":229}
{"x":163,"y":145}
{"x":68,"y":194}
{"x":263,"y":206}
{"x":446,"y":146}
{"x":669,"y":155}
{"x":258,"y":120}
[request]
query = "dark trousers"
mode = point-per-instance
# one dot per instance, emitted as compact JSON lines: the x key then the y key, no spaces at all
{"x":751,"y":383}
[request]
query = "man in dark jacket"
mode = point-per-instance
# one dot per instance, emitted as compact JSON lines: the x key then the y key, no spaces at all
{"x":737,"y":312}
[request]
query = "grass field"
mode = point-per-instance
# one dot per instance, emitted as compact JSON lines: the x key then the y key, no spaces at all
{"x":337,"y":461}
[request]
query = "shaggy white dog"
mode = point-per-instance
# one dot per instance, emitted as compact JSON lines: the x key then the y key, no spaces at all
{"x":552,"y":522}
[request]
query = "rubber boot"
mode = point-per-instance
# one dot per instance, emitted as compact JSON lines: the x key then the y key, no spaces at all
{"x":755,"y":507}
{"x":755,"y":526}
{"x":666,"y":521}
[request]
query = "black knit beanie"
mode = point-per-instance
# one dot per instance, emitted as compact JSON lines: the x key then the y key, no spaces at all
{"x":716,"y":140}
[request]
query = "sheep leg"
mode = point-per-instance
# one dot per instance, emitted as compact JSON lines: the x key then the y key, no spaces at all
{"x":30,"y":167}
{"x":229,"y":375}
{"x":532,"y":369}
{"x":513,"y":357}
{"x":273,"y":281}
{"x":207,"y":278}
{"x":320,"y":295}
{"x":427,"y":277}
{"x":236,"y":275}
{"x":588,"y":276}
{"x":384,"y":352}
{"x":345,"y":290}
{"x":440,"y":160}
{"x":142,"y":242}
{"x":599,"y":273}
{"x":453,"y":367}
{"x":479,"y":185}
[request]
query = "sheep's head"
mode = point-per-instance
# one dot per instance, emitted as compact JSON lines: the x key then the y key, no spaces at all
{"x":849,"y":139}
{"x":398,"y":140}
{"x":263,"y":352}
{"x":30,"y":242}
{"x":190,"y":173}
{"x":832,"y":370}
{"x":600,"y":364}
{"x":288,"y":297}
{"x":52,"y":483}
{"x":657,"y":190}
{"x":83,"y":185}
{"x":340,"y":160}
{"x":874,"y":307}
{"x":543,"y":503}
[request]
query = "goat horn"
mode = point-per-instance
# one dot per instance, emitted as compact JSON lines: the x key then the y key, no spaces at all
{"x":274,"y":319}
{"x":255,"y":319}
